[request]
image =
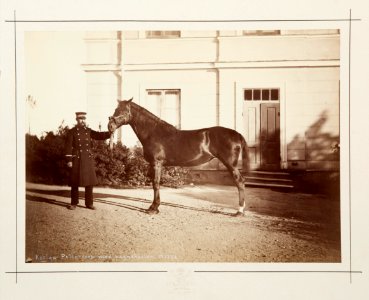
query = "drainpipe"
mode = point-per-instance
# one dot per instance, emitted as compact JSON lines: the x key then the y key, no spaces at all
{"x":217,"y":91}
{"x":120,"y":76}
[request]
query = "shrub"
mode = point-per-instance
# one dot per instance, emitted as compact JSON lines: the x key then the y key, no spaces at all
{"x":45,"y":157}
{"x":137,"y":169}
{"x":110,"y":164}
{"x":174,"y":176}
{"x":33,"y":158}
{"x":121,"y":167}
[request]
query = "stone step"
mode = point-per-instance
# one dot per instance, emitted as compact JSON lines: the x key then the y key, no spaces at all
{"x":268,"y":174}
{"x":285,"y":180}
{"x":269,"y":185}
{"x":269,"y":179}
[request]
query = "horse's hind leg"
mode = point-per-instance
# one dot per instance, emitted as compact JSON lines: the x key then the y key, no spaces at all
{"x":237,"y":177}
{"x":155,"y":175}
{"x":230,"y":158}
{"x":238,"y":180}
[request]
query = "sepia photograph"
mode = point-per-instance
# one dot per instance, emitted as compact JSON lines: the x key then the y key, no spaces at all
{"x":183,"y":146}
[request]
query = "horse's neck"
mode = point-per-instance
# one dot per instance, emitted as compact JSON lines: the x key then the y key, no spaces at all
{"x":144,"y":123}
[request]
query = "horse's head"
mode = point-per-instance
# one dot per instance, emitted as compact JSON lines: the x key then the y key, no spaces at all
{"x":122,"y":115}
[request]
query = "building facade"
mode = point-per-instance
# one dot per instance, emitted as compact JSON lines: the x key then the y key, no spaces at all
{"x":279,"y":88}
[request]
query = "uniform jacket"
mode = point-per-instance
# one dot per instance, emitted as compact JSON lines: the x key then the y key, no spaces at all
{"x":78,"y":150}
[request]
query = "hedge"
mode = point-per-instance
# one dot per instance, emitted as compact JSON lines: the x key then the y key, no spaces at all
{"x":121,"y":167}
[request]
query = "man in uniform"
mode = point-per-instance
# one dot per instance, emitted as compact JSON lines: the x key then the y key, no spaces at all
{"x":81,"y":161}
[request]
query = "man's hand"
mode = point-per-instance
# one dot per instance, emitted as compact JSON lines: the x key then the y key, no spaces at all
{"x":70,"y":164}
{"x":111,"y":125}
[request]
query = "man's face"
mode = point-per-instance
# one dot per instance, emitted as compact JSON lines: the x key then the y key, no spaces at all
{"x":81,"y":121}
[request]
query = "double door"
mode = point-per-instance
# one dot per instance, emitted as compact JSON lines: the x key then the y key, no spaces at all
{"x":262,"y":132}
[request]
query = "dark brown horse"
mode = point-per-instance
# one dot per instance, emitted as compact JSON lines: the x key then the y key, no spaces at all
{"x":165,"y":145}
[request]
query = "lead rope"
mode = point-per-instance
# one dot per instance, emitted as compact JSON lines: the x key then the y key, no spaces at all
{"x":111,"y":141}
{"x":111,"y":133}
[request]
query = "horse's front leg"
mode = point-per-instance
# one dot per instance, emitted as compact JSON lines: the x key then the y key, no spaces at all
{"x":155,"y":176}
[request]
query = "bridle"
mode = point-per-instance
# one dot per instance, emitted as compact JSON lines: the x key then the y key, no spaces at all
{"x":121,"y":119}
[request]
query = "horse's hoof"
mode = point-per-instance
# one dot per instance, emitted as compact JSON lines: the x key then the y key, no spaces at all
{"x":239,"y":214}
{"x":152,"y":211}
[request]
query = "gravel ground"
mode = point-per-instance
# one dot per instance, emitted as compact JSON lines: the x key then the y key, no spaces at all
{"x":195,"y":224}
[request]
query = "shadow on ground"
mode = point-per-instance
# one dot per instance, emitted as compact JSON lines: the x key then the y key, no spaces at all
{"x":99,"y":198}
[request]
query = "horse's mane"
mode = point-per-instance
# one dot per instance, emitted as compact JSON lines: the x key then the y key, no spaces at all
{"x":148,"y":116}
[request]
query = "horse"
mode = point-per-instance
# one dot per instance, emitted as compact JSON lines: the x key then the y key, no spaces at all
{"x":165,"y":145}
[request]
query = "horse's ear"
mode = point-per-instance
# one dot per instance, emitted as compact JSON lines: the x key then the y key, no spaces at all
{"x":130,"y":100}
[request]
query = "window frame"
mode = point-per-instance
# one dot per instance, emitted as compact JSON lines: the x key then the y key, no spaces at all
{"x":163,"y":93}
{"x":260,"y":32}
{"x":162,"y":34}
{"x":250,"y":93}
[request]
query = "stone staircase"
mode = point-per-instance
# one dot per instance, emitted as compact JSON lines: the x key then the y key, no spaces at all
{"x":269,"y":179}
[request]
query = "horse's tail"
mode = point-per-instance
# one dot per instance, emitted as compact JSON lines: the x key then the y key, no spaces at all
{"x":245,"y":156}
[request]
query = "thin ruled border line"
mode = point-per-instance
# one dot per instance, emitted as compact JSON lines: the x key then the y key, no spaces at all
{"x":349,"y":99}
{"x":281,"y":271}
{"x":196,"y":271}
{"x":16,"y":147}
{"x":182,"y":21}
{"x":77,"y":271}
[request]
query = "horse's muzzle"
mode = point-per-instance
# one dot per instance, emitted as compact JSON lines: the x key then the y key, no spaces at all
{"x":112,"y":125}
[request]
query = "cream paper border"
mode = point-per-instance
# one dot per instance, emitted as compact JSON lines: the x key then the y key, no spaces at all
{"x":263,"y":281}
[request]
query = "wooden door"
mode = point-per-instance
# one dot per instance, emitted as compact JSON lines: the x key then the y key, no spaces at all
{"x":262,"y":133}
{"x":251,"y":119}
{"x":270,"y":156}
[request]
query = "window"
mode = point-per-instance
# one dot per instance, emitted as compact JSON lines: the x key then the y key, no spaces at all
{"x":261,"y":32}
{"x":166,"y":105}
{"x":262,"y":94}
{"x":256,"y":95}
{"x":162,"y":34}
